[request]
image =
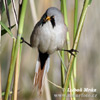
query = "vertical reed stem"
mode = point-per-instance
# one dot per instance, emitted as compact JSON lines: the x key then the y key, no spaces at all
{"x":17,"y":44}
{"x":76,"y":42}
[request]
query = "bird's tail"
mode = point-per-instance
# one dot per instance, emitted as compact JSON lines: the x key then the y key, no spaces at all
{"x":42,"y":67}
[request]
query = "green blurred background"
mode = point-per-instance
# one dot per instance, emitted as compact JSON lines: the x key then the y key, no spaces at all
{"x":88,"y":59}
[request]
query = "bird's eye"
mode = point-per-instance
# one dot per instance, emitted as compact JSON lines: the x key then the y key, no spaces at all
{"x":47,"y":18}
{"x":44,"y":19}
{"x":43,"y":22}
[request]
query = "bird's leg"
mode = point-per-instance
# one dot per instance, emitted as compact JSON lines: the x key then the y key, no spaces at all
{"x":23,"y":41}
{"x":70,"y":51}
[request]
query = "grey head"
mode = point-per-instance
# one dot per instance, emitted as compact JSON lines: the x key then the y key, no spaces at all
{"x":53,"y":15}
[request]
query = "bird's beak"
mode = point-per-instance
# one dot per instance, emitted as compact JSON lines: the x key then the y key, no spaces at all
{"x":48,"y":18}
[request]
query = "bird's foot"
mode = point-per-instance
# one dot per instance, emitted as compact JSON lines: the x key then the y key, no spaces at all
{"x":72,"y":51}
{"x":23,"y":41}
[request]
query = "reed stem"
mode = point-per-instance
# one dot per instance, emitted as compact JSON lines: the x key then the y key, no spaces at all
{"x":17,"y":44}
{"x":76,"y":42}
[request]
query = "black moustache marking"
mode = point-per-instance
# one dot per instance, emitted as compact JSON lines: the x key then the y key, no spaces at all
{"x":53,"y":21}
{"x":43,"y":20}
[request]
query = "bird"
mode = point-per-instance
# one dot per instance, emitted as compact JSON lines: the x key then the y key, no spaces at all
{"x":48,"y":35}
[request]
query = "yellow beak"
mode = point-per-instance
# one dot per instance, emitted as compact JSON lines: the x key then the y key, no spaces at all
{"x":48,"y":18}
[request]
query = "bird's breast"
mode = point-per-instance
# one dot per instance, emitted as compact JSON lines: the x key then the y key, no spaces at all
{"x":51,"y":38}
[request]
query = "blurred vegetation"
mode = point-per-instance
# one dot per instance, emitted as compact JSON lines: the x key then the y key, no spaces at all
{"x":88,"y":59}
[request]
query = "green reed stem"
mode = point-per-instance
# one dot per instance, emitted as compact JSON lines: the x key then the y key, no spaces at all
{"x":17,"y":44}
{"x":64,"y":11}
{"x":76,"y":42}
{"x":73,"y":76}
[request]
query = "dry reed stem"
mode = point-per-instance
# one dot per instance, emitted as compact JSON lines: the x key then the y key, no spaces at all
{"x":0,"y":84}
{"x":16,"y":75}
{"x":47,"y":90}
{"x":0,"y":58}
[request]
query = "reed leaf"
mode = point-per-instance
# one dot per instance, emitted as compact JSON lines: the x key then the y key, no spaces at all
{"x":7,"y":29}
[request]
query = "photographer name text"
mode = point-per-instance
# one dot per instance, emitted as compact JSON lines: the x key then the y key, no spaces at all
{"x":82,"y":90}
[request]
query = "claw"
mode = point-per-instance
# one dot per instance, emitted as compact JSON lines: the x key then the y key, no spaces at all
{"x":22,"y":40}
{"x":71,"y":52}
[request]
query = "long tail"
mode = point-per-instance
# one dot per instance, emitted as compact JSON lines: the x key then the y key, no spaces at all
{"x":42,"y":67}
